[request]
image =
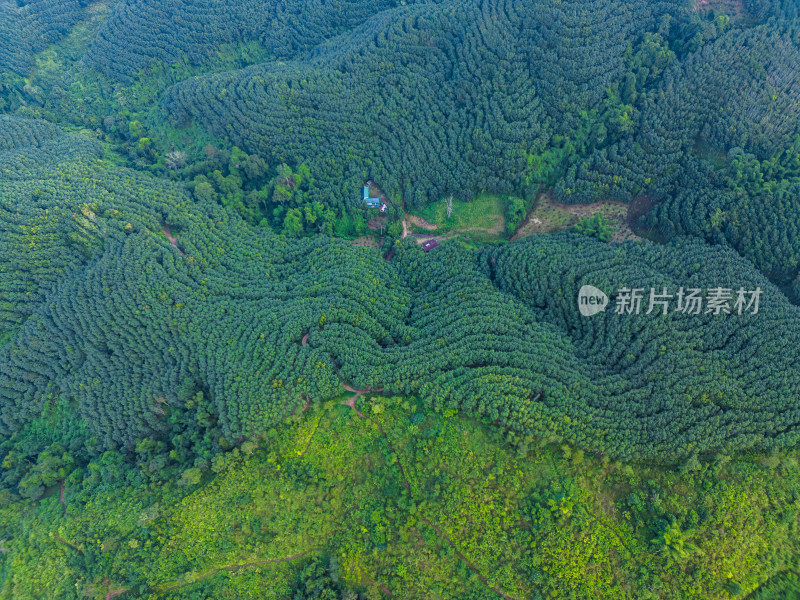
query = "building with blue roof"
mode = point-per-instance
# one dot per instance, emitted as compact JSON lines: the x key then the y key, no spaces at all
{"x":371,"y":202}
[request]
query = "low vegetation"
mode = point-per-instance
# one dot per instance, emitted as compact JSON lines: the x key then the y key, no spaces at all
{"x":319,"y":508}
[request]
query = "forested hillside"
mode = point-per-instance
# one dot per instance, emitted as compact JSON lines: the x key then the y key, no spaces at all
{"x":289,"y":299}
{"x":131,"y":328}
{"x":28,"y":26}
{"x":139,"y":32}
{"x":599,"y":101}
{"x":430,"y":100}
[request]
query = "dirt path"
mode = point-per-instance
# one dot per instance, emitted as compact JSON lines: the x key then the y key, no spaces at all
{"x":236,"y":567}
{"x":352,"y":404}
{"x":112,"y":593}
{"x":304,"y":341}
{"x":172,"y":239}
{"x":382,"y":588}
{"x":462,"y":557}
{"x":62,"y":499}
{"x":420,"y":222}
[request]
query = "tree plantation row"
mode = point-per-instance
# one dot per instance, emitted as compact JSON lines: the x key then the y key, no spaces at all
{"x":151,"y":318}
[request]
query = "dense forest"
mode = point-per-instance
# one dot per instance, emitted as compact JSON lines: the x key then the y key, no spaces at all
{"x":114,"y":318}
{"x":224,"y":375}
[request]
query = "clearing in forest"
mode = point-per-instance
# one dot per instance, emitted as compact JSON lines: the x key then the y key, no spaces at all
{"x":730,"y":7}
{"x":480,"y":220}
{"x":548,"y":216}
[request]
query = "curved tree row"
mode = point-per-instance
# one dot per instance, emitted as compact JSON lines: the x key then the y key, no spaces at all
{"x":200,"y":333}
{"x":429,"y":100}
{"x":141,"y":32}
{"x":28,"y":27}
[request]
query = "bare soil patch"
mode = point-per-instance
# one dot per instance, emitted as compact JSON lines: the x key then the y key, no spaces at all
{"x":421,"y":223}
{"x":731,"y":7}
{"x":114,"y":593}
{"x":172,"y":239}
{"x":421,"y":239}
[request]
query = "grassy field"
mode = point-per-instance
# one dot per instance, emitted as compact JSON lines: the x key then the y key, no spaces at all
{"x":485,"y":211}
{"x":480,"y":221}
